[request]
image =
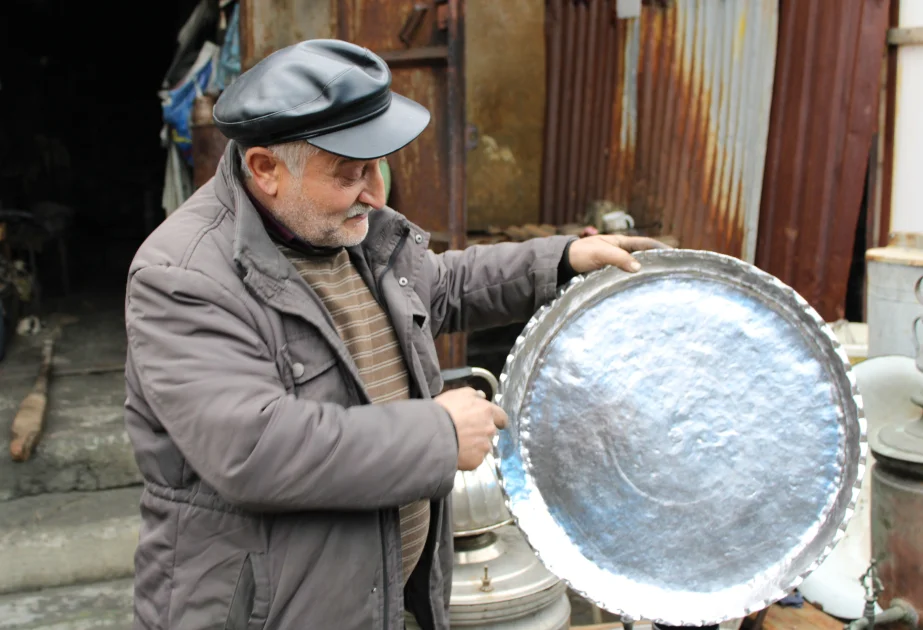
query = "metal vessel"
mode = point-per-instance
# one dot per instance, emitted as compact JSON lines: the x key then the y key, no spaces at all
{"x":885,"y":383}
{"x":686,"y":443}
{"x":497,"y":583}
{"x":477,"y":501}
{"x":897,"y":533}
{"x":897,"y":500}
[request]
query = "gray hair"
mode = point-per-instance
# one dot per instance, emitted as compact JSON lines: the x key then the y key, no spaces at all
{"x":294,"y":155}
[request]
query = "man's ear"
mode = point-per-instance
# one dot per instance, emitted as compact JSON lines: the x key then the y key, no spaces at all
{"x":265,"y":168}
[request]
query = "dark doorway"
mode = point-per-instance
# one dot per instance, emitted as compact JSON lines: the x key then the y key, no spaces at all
{"x":80,"y":123}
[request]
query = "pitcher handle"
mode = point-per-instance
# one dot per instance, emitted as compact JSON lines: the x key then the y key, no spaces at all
{"x":463,"y":374}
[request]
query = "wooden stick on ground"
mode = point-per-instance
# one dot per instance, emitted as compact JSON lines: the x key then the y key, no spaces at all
{"x":29,"y":420}
{"x":106,"y":368}
{"x":60,"y":372}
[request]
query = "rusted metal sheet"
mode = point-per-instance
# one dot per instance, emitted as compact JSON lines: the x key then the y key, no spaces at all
{"x":426,"y":188}
{"x":704,"y":89}
{"x":665,"y":116}
{"x":585,"y":79}
{"x":823,"y":119}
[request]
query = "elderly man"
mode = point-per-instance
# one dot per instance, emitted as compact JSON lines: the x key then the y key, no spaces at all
{"x":283,"y":388}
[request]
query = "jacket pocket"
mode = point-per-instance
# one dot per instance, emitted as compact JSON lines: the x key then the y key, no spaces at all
{"x":250,"y":603}
{"x":312,"y":371}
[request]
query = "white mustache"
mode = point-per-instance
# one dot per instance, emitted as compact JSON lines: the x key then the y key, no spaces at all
{"x":358,"y":209}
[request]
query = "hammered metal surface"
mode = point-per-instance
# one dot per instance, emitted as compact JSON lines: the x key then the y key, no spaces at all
{"x":685,"y":443}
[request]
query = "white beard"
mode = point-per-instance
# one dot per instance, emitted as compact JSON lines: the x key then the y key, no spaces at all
{"x":322,"y":229}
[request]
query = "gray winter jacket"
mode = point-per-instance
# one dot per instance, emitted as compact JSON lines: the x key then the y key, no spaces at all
{"x":271,"y":483}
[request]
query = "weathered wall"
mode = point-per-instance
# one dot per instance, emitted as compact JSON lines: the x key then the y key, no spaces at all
{"x":267,"y":25}
{"x":505,"y":92}
{"x":505,"y":82}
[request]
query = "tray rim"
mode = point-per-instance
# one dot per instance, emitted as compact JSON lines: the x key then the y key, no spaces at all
{"x":755,"y":277}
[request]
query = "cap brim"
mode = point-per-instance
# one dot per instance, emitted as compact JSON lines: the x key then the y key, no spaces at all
{"x":403,"y":121}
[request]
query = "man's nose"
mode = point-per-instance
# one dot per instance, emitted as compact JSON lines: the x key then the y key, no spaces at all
{"x":374,"y":193}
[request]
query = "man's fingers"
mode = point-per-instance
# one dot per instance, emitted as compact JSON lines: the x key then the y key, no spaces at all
{"x":640,"y":243}
{"x":618,"y":257}
{"x":501,"y":420}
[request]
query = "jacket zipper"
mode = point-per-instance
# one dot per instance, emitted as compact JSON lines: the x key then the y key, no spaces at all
{"x":384,"y":570}
{"x":381,"y":517}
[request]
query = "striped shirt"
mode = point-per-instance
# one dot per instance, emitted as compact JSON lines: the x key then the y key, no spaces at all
{"x":366,"y":330}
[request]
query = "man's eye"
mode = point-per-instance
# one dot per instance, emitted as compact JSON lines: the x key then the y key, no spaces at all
{"x":354,"y":175}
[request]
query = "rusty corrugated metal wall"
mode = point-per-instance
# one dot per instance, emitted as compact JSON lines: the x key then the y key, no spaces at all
{"x":689,"y":119}
{"x":824,"y":113}
{"x":704,"y":90}
{"x":587,"y":73}
{"x":665,"y":116}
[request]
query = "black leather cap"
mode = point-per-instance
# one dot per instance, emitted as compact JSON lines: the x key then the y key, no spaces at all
{"x":334,"y":94}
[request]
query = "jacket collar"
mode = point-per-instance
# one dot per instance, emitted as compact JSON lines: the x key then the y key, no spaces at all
{"x":269,"y":275}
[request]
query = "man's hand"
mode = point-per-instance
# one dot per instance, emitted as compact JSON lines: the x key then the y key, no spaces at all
{"x":476,"y":422}
{"x":595,"y":252}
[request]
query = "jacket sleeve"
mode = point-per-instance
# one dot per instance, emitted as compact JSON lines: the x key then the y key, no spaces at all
{"x":209,"y":379}
{"x":492,"y":285}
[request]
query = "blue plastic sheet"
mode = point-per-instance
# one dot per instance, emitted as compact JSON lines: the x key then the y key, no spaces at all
{"x":229,"y":59}
{"x":177,"y":108}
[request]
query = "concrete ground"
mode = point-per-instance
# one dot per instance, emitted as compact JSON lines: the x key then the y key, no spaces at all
{"x":69,"y":515}
{"x":106,"y":605}
{"x":68,"y":538}
{"x":84,"y":445}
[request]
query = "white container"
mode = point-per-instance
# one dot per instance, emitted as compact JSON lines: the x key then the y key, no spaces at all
{"x":893,"y":274}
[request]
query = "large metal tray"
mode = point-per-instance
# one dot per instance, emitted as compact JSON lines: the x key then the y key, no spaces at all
{"x":686,"y":443}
